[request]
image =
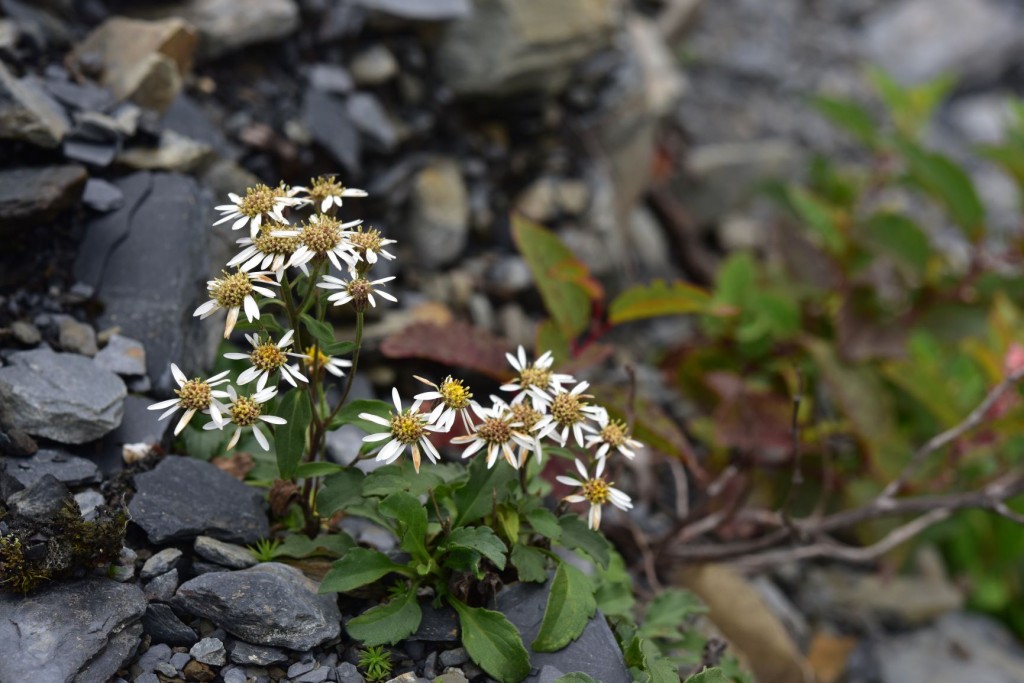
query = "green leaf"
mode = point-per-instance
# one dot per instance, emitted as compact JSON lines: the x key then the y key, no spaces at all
{"x":358,"y":567}
{"x":544,"y":522}
{"x":508,"y":523}
{"x":817,"y":216}
{"x":338,"y":491}
{"x":947,"y":184}
{"x":909,"y":107}
{"x":530,"y":563}
{"x":388,"y":623}
{"x":667,"y":613}
{"x":290,"y":438}
{"x":570,"y":606}
{"x":551,"y":338}
{"x":349,"y":415}
{"x":576,"y":535}
{"x":900,"y":238}
{"x":613,"y":589}
{"x":564,"y":282}
{"x":316,"y":469}
{"x":849,"y":116}
{"x":714,"y":675}
{"x":482,"y":490}
{"x":412,"y":523}
{"x":659,"y":298}
{"x":482,"y":540}
{"x":393,"y":478}
{"x":321,"y":331}
{"x":736,"y":280}
{"x":492,"y":642}
{"x":575,"y":677}
{"x":334,"y":544}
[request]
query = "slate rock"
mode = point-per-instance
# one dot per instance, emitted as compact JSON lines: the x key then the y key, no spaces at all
{"x":35,"y":196}
{"x":595,"y":652}
{"x":41,"y":501}
{"x":329,"y":122}
{"x":182,"y":498}
{"x":455,"y":657}
{"x":68,"y":469}
{"x":420,"y":10}
{"x":225,"y":554}
{"x":16,"y":443}
{"x":122,"y":356}
{"x":209,"y":651}
{"x":227,"y":25}
{"x":28,"y":113}
{"x":26,"y":333}
{"x":95,"y":139}
{"x":330,"y":78}
{"x":159,"y":652}
{"x":374,"y":65}
{"x":269,"y":604}
{"x":315,"y":676}
{"x":138,"y":425}
{"x":162,"y":588}
{"x":242,"y":652}
{"x":102,"y":196}
{"x":439,"y":214}
{"x":160,"y":563}
{"x":76,"y":337}
{"x":60,"y":396}
{"x":88,"y":626}
{"x":438,"y":624}
{"x":163,"y":626}
{"x":348,"y":673}
{"x":88,"y":502}
{"x":372,"y":120}
{"x":149,"y":262}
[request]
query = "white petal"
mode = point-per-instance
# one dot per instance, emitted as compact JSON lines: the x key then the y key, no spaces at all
{"x":184,"y":421}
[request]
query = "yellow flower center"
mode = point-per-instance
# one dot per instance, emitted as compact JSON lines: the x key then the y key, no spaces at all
{"x":494,"y":431}
{"x":407,"y":427}
{"x":258,"y":200}
{"x":524,"y":414}
{"x":533,"y":376}
{"x":245,"y":411}
{"x":360,"y":289}
{"x":454,"y":393}
{"x":267,"y":356}
{"x":315,"y":357}
{"x":230,"y":291}
{"x":567,"y":409}
{"x":322,"y":236}
{"x":597,"y":491}
{"x":370,"y":239}
{"x":194,"y":395}
{"x":323,"y":187}
{"x":615,"y":433}
{"x":268,"y":244}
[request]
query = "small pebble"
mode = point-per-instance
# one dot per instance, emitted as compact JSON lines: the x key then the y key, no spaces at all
{"x":455,"y":657}
{"x":167,"y":669}
{"x":315,"y":676}
{"x":180,"y":659}
{"x":346,"y":672}
{"x":299,"y":668}
{"x":233,"y":675}
{"x":209,"y":651}
{"x":26,"y":333}
{"x":161,"y":563}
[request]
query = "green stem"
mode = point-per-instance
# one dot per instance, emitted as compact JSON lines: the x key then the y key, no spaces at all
{"x":355,"y":365}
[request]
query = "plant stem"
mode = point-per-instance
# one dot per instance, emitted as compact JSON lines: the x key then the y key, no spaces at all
{"x":355,"y":365}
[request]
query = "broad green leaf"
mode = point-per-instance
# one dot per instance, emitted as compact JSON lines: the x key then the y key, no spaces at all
{"x":898,"y":236}
{"x":316,"y":469}
{"x":358,"y":567}
{"x":412,"y":520}
{"x":714,"y":675}
{"x":575,"y":677}
{"x":658,"y":298}
{"x":948,"y":184}
{"x":544,"y":522}
{"x":817,"y":216}
{"x":668,"y":612}
{"x":290,"y":438}
{"x":393,"y":478}
{"x":388,"y":623}
{"x":299,"y":546}
{"x":338,"y":491}
{"x":482,"y":490}
{"x":736,"y":280}
{"x":480,"y":539}
{"x":849,"y":116}
{"x":508,"y":523}
{"x":550,"y":337}
{"x":564,"y":282}
{"x":576,"y":535}
{"x":647,"y":664}
{"x":322,"y":332}
{"x":613,"y":589}
{"x":530,"y":563}
{"x":570,"y":606}
{"x":909,"y":107}
{"x":203,"y":444}
{"x":492,"y":642}
{"x":349,"y":415}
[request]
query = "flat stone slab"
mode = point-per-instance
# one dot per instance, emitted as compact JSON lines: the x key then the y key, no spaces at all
{"x":68,"y":469}
{"x":269,"y":604}
{"x":89,"y":626}
{"x":182,"y":498}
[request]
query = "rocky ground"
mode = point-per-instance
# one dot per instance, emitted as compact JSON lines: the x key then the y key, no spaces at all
{"x":122,"y":124}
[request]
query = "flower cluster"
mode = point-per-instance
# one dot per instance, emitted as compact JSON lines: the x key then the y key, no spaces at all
{"x":544,"y":406}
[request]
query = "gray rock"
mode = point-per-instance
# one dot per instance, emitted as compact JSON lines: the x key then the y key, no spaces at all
{"x":160,"y":563}
{"x":438,"y":624}
{"x":420,"y":10}
{"x":122,"y":356}
{"x":163,"y":625}
{"x":348,"y":673}
{"x":258,"y":655}
{"x":102,"y":196}
{"x":26,"y":333}
{"x":328,"y":121}
{"x":509,"y":46}
{"x":648,"y":240}
{"x":269,"y":604}
{"x":148,"y":262}
{"x":182,"y":498}
{"x":149,"y":677}
{"x":180,"y":659}
{"x":595,"y":652}
{"x":549,"y":674}
{"x":454,"y":676}
{"x":330,"y":78}
{"x":88,"y":501}
{"x":60,"y":396}
{"x":173,"y":152}
{"x":35,"y":196}
{"x":16,"y":443}
{"x":76,"y":337}
{"x":67,"y":468}
{"x":439,"y":214}
{"x":373,"y":66}
{"x":138,"y":425}
{"x":234,"y":676}
{"x":226,"y":26}
{"x":225,"y":554}
{"x":455,"y":657}
{"x":159,"y":652}
{"x":917,"y":40}
{"x":162,"y":588}
{"x":41,"y":501}
{"x":318,"y":675}
{"x":209,"y":651}
{"x":343,"y":444}
{"x":86,"y":627}
{"x":301,"y":667}
{"x":373,"y":121}
{"x":29,"y":114}
{"x":95,"y":139}
{"x":983,"y":118}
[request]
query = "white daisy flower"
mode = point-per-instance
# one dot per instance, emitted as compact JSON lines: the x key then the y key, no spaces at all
{"x":259,"y":203}
{"x":536,"y":379}
{"x":246,"y":411}
{"x":326,"y":192}
{"x":322,"y":236}
{"x":335,"y":366}
{"x":357,"y":289}
{"x":409,"y":428}
{"x":453,"y":399}
{"x":369,"y":244}
{"x":267,"y":358}
{"x":614,"y":434}
{"x":194,"y":395}
{"x":233,"y":292}
{"x":499,"y":432}
{"x":527,"y":416}
{"x":596,"y":491}
{"x":265,"y":251}
{"x":569,"y":413}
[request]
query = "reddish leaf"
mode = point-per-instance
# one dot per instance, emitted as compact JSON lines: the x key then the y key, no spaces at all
{"x":456,"y":344}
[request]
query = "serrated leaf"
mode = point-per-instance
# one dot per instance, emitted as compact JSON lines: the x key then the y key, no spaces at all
{"x":949,"y":185}
{"x":358,"y":567}
{"x":575,"y":677}
{"x":849,"y":116}
{"x":900,"y":238}
{"x":482,"y":490}
{"x":544,"y":522}
{"x":570,"y":606}
{"x":668,"y":611}
{"x":530,"y":563}
{"x":338,"y":491}
{"x":349,"y":415}
{"x":714,"y":675}
{"x":388,"y":623}
{"x":492,"y":642}
{"x":576,"y":535}
{"x":316,"y":469}
{"x":412,"y":523}
{"x":563,"y":281}
{"x":658,"y":298}
{"x":480,"y":539}
{"x":817,"y":216}
{"x":290,"y":438}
